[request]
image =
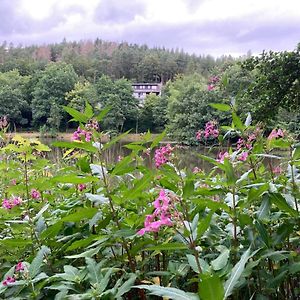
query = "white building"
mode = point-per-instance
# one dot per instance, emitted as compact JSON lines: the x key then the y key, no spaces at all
{"x":141,"y":90}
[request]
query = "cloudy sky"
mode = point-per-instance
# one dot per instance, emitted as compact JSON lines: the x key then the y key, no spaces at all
{"x":198,"y":26}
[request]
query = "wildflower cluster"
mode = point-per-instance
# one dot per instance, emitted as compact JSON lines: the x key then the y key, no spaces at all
{"x":35,"y":194}
{"x":212,"y":82}
{"x":81,"y":187}
{"x":80,"y":134}
{"x":211,"y":131}
{"x":92,"y":125}
{"x":276,"y":134}
{"x":19,"y":267}
{"x":12,"y":202}
{"x":161,"y":215}
{"x":162,"y":155}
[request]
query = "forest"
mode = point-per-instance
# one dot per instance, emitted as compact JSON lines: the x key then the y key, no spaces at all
{"x":37,"y":81}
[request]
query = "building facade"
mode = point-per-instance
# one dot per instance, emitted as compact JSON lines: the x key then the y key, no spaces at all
{"x":141,"y":90}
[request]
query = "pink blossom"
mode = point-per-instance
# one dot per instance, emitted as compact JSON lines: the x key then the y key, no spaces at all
{"x":222,"y":156}
{"x":19,"y":266}
{"x":80,"y":133}
{"x":119,"y":158}
{"x":211,"y":130}
{"x":276,"y":134}
{"x":196,"y":170}
{"x":17,"y":201}
{"x":6,"y":204}
{"x":277,"y":170}
{"x":199,"y":134}
{"x":8,"y":280}
{"x":162,"y":155}
{"x":243,"y":156}
{"x":161,"y":215}
{"x":210,"y":87}
{"x":35,"y":194}
{"x":13,"y":182}
{"x":81,"y":187}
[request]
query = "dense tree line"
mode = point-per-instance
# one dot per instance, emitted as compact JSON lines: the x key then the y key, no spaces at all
{"x":36,"y":81}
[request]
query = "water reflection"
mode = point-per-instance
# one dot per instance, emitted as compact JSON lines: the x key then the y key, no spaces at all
{"x":188,"y":157}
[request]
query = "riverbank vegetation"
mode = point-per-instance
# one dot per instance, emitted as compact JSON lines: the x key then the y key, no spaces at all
{"x":85,"y":228}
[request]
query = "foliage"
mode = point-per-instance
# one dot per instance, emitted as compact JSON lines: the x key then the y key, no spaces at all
{"x":276,"y":84}
{"x":13,"y":96}
{"x":188,"y":107}
{"x":118,"y":95}
{"x":49,"y":93}
{"x":89,"y":228}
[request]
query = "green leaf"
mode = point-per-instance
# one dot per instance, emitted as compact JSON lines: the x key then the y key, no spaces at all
{"x":80,"y":214}
{"x":77,"y":115}
{"x":88,"y":110}
{"x":72,"y":178}
{"x":188,"y":188}
{"x":210,"y":287}
{"x":37,"y":262}
{"x":93,"y":270}
{"x":169,"y":292}
{"x":126,"y":286}
{"x":158,"y":139}
{"x":221,"y":261}
{"x":237,"y":122}
{"x":193,"y":263}
{"x":138,"y":187}
{"x":220,"y":106}
{"x":281,"y":203}
{"x":167,"y":247}
{"x":264,"y":208}
{"x":81,"y":243}
{"x":204,"y":223}
{"x":214,"y":205}
{"x":51,"y":231}
{"x":236,"y":274}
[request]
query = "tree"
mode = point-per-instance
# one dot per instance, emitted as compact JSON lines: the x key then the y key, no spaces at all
{"x":119,"y":96}
{"x":13,"y":96}
{"x":50,"y":90}
{"x":82,"y":92}
{"x":276,"y":84}
{"x":188,"y":107}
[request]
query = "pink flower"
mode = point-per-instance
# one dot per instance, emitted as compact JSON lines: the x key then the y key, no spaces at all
{"x":81,"y":187}
{"x":161,"y":215}
{"x":162,"y":155}
{"x":277,"y":170}
{"x":6,"y":204}
{"x":243,"y":156}
{"x":196,"y":170}
{"x":210,"y":87}
{"x":80,"y":133}
{"x":35,"y":194}
{"x":19,"y":266}
{"x":13,"y":182}
{"x":211,"y":130}
{"x":199,"y":135}
{"x":8,"y":280}
{"x":17,"y":201}
{"x":119,"y":158}
{"x":276,"y":134}
{"x":222,"y":156}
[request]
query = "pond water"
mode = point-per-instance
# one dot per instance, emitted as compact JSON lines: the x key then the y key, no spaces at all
{"x":187,"y":156}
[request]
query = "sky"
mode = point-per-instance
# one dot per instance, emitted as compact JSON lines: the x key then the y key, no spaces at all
{"x":214,"y":27}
